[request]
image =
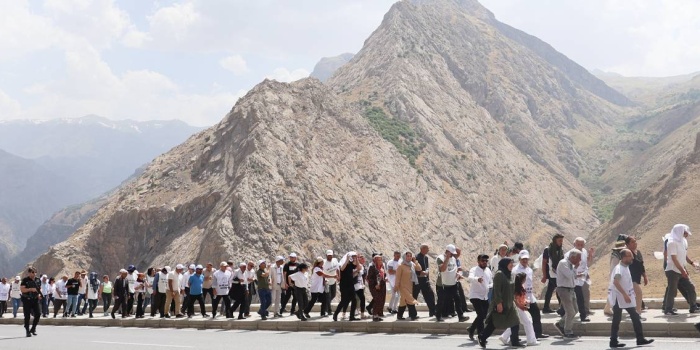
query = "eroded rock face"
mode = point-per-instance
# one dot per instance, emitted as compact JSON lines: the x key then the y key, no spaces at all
{"x":440,"y":130}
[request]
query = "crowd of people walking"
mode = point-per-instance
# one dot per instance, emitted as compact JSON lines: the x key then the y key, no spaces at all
{"x":501,"y":288}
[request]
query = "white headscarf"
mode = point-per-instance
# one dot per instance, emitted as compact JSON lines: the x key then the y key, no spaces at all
{"x":345,"y":257}
{"x":678,"y":231}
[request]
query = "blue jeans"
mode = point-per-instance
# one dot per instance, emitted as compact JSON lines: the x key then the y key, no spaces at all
{"x":15,"y":306}
{"x":72,"y":304}
{"x":265,"y":296}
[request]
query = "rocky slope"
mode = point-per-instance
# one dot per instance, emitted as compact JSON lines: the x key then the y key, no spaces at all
{"x":651,"y":213}
{"x":325,"y":68}
{"x":441,"y":129}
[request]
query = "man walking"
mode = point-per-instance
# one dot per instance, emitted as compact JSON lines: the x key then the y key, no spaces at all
{"x":423,"y":286}
{"x":391,"y":267}
{"x":480,"y":281}
{"x":276,"y":281}
{"x":551,"y":257}
{"x":73,"y":286}
{"x":263,"y":278}
{"x":637,"y":271}
{"x":121,"y":293}
{"x":288,"y":286}
{"x":31,"y":295}
{"x":195,"y":283}
{"x":331,"y":268}
{"x":621,"y":296}
{"x":566,"y":274}
{"x":447,"y":284}
{"x":222,"y":286}
{"x":676,"y":273}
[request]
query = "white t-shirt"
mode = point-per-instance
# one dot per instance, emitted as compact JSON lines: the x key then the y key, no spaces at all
{"x":186,"y":280}
{"x":242,"y":276}
{"x":393,"y":265}
{"x":131,"y":278}
{"x":626,"y":283}
{"x":92,"y":294}
{"x":359,"y":281}
{"x":331,"y":268}
{"x":175,"y":277}
{"x":222,"y":282}
{"x":679,"y":250}
{"x":83,"y":286}
{"x":280,"y":273}
{"x":449,"y":276}
{"x":494,"y":262}
{"x":149,"y":288}
{"x":162,"y":282}
{"x":480,"y":290}
{"x":4,"y":291}
{"x":317,"y":281}
{"x":61,"y":288}
{"x":15,"y":291}
{"x":527,"y":285}
{"x":300,"y":279}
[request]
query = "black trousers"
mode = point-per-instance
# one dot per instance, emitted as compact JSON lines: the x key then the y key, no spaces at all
{"x":121,"y":302}
{"x":424,"y":288}
{"x":208,"y":291}
{"x":462,"y":298}
{"x":332,"y":291}
{"x":139,"y":305}
{"x":161,"y":304}
{"x":580,"y":303}
{"x":130,"y":304}
{"x":215,"y":304}
{"x":92,"y":304}
{"x":286,"y":294}
{"x":185,"y":301}
{"x":447,"y":296}
{"x":347,"y":297}
{"x":617,"y":317}
{"x":488,"y":330}
{"x":314,"y":298}
{"x":534,"y":311}
{"x":190,"y":304}
{"x":360,"y":294}
{"x":106,"y":301}
{"x":31,"y":308}
{"x":481,"y":307}
{"x":302,"y":299}
{"x":551,"y":287}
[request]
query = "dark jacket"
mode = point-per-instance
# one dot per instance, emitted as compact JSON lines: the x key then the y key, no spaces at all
{"x":121,"y":288}
{"x":503,"y":292}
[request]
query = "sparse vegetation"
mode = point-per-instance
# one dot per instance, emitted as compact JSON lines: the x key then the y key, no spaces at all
{"x":397,"y":132}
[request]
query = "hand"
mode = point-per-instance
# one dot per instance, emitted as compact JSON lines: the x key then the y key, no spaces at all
{"x":448,"y":254}
{"x":646,"y":281}
{"x":499,"y":308}
{"x":544,"y":279}
{"x":378,"y":287}
{"x":480,"y":280}
{"x":684,"y":274}
{"x":627,"y":298}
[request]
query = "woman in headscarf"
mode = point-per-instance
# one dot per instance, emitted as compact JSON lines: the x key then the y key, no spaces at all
{"x":405,"y":278}
{"x":502,"y":312}
{"x":376,"y":281}
{"x":348,"y":264}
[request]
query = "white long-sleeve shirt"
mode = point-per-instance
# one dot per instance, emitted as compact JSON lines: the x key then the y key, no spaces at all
{"x":528,"y":281}
{"x":480,"y":290}
{"x":566,"y":274}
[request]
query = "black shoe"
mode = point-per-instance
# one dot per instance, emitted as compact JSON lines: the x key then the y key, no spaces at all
{"x":517,"y":345}
{"x":570,"y":336}
{"x":670,"y":313}
{"x":694,"y":310}
{"x":307,"y":315}
{"x":644,"y":342}
{"x":33,"y":332}
{"x":240,"y":317}
{"x":353,"y":318}
{"x":439,"y":319}
{"x":697,"y":326}
{"x":29,"y":335}
{"x":617,"y":345}
{"x":547,"y":311}
{"x":335,"y":318}
{"x":400,"y":318}
{"x":113,"y":316}
{"x":586,"y":319}
{"x":560,"y":328}
{"x":205,"y":315}
{"x":463,"y":318}
{"x":482,"y":342}
{"x":542,"y":336}
{"x":560,"y":312}
{"x":283,"y":311}
{"x":471,"y":333}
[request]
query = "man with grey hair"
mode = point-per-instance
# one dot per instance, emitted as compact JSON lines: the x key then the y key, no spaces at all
{"x":621,"y":296}
{"x":566,"y":275}
{"x":582,"y":281}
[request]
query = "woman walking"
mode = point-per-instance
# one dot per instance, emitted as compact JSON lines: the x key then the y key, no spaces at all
{"x":347,"y":285}
{"x":106,"y":294}
{"x":376,"y":280}
{"x":405,"y":278}
{"x":360,"y":275}
{"x":522,"y":304}
{"x":93,"y":288}
{"x":502,"y":312}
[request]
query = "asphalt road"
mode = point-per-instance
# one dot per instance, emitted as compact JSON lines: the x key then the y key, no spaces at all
{"x":55,"y":337}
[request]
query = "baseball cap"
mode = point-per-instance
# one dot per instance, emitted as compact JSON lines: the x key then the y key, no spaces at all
{"x":131,"y":268}
{"x":199,"y":267}
{"x":319,"y":259}
{"x":293,"y":255}
{"x":262,"y":261}
{"x":192,"y":266}
{"x":329,"y":252}
{"x":279,"y":258}
{"x":242,"y":264}
{"x":451,"y":248}
{"x":223,"y":263}
{"x":17,"y":278}
{"x":123,"y":271}
{"x":179,"y":267}
{"x":524,"y":254}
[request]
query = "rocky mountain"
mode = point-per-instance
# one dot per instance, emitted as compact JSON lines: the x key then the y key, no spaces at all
{"x":325,"y":68}
{"x":29,"y":193}
{"x":445,"y":127}
{"x":50,"y":165}
{"x":651,"y":213}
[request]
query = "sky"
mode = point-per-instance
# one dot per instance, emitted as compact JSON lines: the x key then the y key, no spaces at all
{"x":192,"y":59}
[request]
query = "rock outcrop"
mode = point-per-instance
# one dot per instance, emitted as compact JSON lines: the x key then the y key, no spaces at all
{"x":325,"y":68}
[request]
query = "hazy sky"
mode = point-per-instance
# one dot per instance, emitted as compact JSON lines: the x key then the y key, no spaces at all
{"x":192,"y":59}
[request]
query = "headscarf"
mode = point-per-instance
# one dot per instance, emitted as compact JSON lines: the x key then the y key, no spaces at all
{"x":345,"y":257}
{"x":678,"y":231}
{"x":503,"y":266}
{"x":409,"y":263}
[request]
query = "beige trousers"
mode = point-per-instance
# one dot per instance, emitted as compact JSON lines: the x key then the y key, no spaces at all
{"x":638,"y":296}
{"x":169,"y":299}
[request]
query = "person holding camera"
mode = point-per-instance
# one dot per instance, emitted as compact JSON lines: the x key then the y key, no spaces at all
{"x":348,"y":264}
{"x":446,"y":284}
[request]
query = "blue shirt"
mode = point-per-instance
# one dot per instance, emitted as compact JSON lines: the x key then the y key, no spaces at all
{"x":196,"y":282}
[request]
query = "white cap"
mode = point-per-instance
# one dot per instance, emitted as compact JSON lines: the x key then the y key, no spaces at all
{"x":261,"y":262}
{"x":223,"y":263}
{"x":44,"y":276}
{"x":524,"y":254}
{"x":329,"y":252}
{"x":352,"y":254}
{"x":279,"y":258}
{"x":168,"y":268}
{"x":123,"y":271}
{"x":17,"y":278}
{"x":242,"y":264}
{"x":293,"y":255}
{"x":179,"y":267}
{"x":451,"y":248}
{"x":199,"y":267}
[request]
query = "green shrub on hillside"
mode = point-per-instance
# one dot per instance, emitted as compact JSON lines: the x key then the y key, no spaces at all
{"x":398,"y":132}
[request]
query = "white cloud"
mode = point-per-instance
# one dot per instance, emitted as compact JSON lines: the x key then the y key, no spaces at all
{"x":173,"y":24}
{"x":98,"y":22}
{"x":9,"y":108}
{"x":235,"y":64}
{"x":286,"y":76}
{"x":23,"y":32}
